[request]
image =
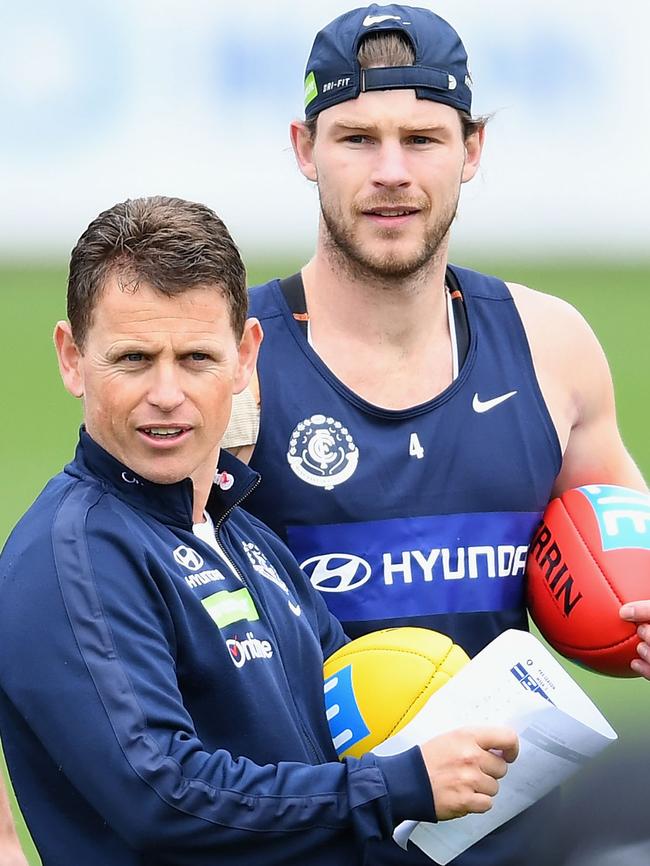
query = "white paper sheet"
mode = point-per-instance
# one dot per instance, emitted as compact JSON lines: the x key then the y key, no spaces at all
{"x":514,"y":681}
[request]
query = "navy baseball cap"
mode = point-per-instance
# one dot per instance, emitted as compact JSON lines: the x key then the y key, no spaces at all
{"x":439,"y":71}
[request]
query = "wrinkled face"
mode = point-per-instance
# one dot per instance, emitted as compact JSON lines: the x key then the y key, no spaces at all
{"x":389,"y":168}
{"x":157,"y":375}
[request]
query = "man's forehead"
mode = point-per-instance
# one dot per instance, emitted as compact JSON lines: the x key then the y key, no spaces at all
{"x":125,"y":292}
{"x":136,"y":306}
{"x":400,"y":106}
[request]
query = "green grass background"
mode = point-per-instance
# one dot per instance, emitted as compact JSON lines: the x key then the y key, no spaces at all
{"x":40,"y":419}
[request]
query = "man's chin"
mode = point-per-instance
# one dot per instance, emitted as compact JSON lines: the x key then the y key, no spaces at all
{"x":393,"y":266}
{"x":162,"y":474}
{"x":389,"y":256}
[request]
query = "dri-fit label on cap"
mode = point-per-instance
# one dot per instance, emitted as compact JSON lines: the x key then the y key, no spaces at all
{"x":451,"y":563}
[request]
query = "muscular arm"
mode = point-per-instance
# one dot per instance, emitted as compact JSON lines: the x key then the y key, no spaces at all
{"x":10,"y":851}
{"x":595,"y":451}
{"x":576,"y":383}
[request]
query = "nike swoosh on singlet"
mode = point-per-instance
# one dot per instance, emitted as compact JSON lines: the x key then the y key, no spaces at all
{"x":480,"y":406}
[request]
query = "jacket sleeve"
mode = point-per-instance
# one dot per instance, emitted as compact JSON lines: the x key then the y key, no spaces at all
{"x":409,"y":787}
{"x":97,"y":682}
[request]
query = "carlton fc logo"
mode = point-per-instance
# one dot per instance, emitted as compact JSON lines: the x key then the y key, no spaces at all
{"x":322,"y":452}
{"x":262,"y":566}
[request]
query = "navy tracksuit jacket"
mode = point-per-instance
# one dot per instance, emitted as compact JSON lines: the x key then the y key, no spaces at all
{"x":159,"y":706}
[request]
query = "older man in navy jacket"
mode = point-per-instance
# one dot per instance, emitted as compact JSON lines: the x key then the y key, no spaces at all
{"x":161,"y":695}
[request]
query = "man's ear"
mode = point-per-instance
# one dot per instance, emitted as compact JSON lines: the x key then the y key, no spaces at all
{"x":248,"y":350}
{"x":69,"y":357}
{"x":473,"y":151}
{"x":303,"y":148}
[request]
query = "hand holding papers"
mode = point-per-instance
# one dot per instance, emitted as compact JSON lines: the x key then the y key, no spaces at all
{"x":514,"y":681}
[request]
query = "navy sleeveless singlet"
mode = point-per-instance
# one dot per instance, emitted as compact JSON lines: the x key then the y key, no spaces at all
{"x":421,"y":516}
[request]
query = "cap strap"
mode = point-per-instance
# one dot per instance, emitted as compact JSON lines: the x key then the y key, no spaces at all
{"x":401,"y":77}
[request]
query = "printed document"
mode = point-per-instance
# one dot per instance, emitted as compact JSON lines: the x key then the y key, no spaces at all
{"x":514,"y":681}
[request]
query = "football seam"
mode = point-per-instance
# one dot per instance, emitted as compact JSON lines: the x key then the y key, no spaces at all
{"x":397,"y":724}
{"x":561,"y":646}
{"x":383,"y":649}
{"x":594,"y":560}
{"x":422,"y":655}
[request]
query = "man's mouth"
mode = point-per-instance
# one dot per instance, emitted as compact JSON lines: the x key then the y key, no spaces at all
{"x":164,"y":433}
{"x":392,"y":211}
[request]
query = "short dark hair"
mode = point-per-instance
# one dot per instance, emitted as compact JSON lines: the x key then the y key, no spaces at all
{"x":169,"y":243}
{"x":394,"y":49}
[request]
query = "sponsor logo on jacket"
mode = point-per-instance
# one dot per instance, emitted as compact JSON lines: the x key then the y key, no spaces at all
{"x":248,"y":650}
{"x":189,"y":559}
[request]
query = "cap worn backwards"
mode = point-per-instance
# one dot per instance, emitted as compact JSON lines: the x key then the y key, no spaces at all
{"x":439,"y":71}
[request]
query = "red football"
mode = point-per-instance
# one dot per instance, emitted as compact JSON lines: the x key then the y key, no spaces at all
{"x":589,"y":555}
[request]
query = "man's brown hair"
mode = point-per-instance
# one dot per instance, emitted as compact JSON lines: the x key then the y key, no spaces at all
{"x":168,"y":243}
{"x":394,"y":49}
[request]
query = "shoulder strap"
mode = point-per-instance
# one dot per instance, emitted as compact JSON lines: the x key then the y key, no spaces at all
{"x":460,"y":316}
{"x":294,"y":294}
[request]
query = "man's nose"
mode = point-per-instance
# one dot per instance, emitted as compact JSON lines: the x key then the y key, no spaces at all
{"x":165,"y":390}
{"x":391,"y":165}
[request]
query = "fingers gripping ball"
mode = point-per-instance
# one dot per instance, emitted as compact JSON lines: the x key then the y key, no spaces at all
{"x":590,"y":555}
{"x":376,"y":684}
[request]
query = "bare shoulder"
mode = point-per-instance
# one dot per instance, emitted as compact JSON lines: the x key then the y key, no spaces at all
{"x":540,"y":311}
{"x":557,"y":332}
{"x":569,"y":362}
{"x":576,"y":383}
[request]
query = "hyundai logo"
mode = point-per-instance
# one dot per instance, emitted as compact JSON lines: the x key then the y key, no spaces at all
{"x":188,"y":558}
{"x":337,"y":572}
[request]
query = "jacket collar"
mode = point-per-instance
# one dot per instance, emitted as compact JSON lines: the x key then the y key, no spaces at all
{"x":169,"y":503}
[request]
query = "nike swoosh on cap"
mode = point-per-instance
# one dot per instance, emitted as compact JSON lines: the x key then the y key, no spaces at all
{"x":369,"y":20}
{"x":480,"y":406}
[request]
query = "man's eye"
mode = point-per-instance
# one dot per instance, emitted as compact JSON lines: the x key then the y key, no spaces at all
{"x":199,"y":356}
{"x":133,"y":357}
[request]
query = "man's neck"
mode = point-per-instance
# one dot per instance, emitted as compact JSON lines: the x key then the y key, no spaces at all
{"x":203,"y":479}
{"x":372,"y":332}
{"x":395,"y":310}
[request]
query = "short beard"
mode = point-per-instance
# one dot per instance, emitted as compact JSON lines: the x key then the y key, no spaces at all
{"x":351,"y":258}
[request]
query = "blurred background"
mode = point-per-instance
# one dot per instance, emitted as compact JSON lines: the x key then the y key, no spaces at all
{"x":102,"y":101}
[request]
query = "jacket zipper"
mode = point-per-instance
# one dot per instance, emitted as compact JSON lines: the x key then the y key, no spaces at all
{"x":220,"y":523}
{"x":318,"y":755}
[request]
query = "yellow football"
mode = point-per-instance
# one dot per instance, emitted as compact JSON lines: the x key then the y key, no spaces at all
{"x":375,"y":684}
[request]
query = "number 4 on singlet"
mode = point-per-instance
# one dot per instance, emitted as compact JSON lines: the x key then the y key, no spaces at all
{"x":415,"y":448}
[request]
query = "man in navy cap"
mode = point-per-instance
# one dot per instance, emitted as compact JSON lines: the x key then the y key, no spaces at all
{"x":412,"y":419}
